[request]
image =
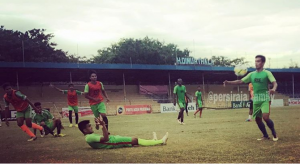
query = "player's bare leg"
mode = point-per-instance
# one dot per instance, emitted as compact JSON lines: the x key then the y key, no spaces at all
{"x":196,"y":112}
{"x":103,"y":115}
{"x":20,"y":123}
{"x":200,"y":112}
{"x":181,"y":116}
{"x":58,"y":125}
{"x":178,"y":118}
{"x":186,"y":110}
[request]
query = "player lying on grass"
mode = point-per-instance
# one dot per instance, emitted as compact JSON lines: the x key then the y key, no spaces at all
{"x":44,"y":118}
{"x":24,"y":110}
{"x":72,"y":101}
{"x":106,"y":141}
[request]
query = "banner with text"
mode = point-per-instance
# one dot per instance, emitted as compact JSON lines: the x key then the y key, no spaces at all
{"x":240,"y":104}
{"x":133,"y":109}
{"x":82,"y":111}
{"x":294,"y":101}
{"x":170,"y":108}
{"x":277,"y":103}
{"x":11,"y":115}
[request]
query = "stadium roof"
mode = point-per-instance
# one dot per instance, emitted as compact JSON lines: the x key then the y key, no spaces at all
{"x":27,"y":73}
{"x":127,"y":67}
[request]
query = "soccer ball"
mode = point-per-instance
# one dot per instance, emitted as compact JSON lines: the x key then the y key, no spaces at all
{"x":240,"y":70}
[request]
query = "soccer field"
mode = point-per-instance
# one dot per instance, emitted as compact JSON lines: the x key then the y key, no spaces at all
{"x":220,"y":136}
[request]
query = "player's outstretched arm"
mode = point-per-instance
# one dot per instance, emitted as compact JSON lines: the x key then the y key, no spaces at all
{"x":99,"y":121}
{"x":79,"y":92}
{"x":52,"y":86}
{"x":235,"y":82}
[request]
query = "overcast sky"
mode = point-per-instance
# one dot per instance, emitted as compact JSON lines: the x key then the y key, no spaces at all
{"x":232,"y":28}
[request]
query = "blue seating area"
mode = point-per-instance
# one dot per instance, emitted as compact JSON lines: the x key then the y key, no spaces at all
{"x":286,"y":88}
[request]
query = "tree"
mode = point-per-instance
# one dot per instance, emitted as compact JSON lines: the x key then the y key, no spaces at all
{"x":226,"y":62}
{"x":140,"y":51}
{"x":293,"y":64}
{"x":37,"y":47}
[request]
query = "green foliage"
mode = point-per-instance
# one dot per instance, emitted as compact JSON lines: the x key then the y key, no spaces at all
{"x":37,"y":47}
{"x":226,"y":62}
{"x":140,"y":51}
{"x":293,"y":64}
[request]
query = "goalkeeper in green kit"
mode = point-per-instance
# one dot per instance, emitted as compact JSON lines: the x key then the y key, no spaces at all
{"x":261,"y":101}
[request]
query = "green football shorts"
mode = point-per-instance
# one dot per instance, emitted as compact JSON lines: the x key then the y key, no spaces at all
{"x":75,"y":108}
{"x":27,"y":113}
{"x":98,"y":108}
{"x":260,"y":107}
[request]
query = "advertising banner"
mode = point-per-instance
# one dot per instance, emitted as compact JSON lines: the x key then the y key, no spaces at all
{"x":170,"y":108}
{"x":133,"y":109}
{"x":294,"y":101}
{"x":82,"y":111}
{"x":240,"y":104}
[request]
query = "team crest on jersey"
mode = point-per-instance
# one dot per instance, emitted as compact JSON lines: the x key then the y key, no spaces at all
{"x":257,"y":80}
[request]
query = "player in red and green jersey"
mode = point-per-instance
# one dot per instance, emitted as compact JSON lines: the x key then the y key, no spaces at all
{"x":199,"y":101}
{"x":179,"y":98}
{"x":105,"y":141}
{"x":261,"y":100}
{"x":72,"y":101}
{"x":24,"y":110}
{"x":44,"y":118}
{"x":93,"y":91}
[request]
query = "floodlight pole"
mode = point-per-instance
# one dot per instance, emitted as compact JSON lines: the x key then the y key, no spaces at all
{"x":17,"y":80}
{"x":293,"y":86}
{"x":70,"y":77}
{"x":130,"y":62}
{"x":170,"y":88}
{"x":124,"y":89}
{"x":23,"y":53}
{"x":203,"y":83}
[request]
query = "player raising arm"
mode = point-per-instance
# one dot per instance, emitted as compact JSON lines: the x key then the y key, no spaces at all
{"x":72,"y":101}
{"x":261,"y":100}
